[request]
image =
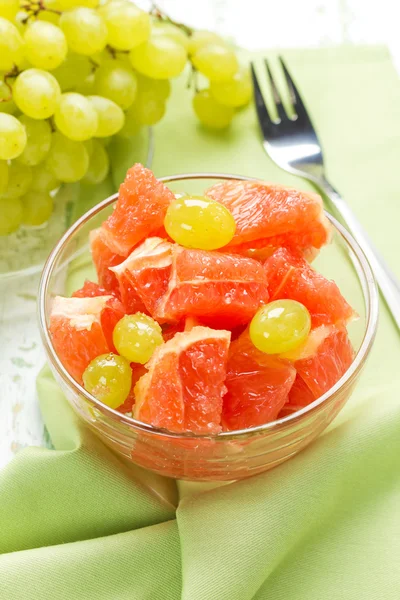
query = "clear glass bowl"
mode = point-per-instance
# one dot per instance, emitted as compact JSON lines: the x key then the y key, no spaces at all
{"x":25,"y":251}
{"x":226,"y":456}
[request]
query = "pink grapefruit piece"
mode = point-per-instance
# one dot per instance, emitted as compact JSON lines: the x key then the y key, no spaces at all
{"x":184,"y":387}
{"x":79,"y":329}
{"x":222,"y":290}
{"x":144,"y":274}
{"x":112,"y":313}
{"x":104,"y":258}
{"x":258,"y":385}
{"x":290,"y":276}
{"x":139,"y":210}
{"x":319,"y":363}
{"x":272,"y":215}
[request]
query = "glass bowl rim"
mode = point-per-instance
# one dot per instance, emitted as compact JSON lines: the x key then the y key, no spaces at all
{"x":370,"y":295}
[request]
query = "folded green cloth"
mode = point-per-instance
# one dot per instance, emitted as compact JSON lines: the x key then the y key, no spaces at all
{"x":78,"y":523}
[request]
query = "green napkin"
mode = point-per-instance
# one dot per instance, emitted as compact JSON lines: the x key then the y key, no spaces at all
{"x":78,"y":523}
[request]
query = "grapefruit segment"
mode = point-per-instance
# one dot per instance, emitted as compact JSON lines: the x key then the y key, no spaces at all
{"x":331,"y":360}
{"x":103,"y":258}
{"x":139,"y":210}
{"x":290,"y":276}
{"x":223,"y":290}
{"x":79,"y":328}
{"x":144,"y":275}
{"x":137,"y":372}
{"x":112,"y":313}
{"x":272,"y":215}
{"x":90,"y":289}
{"x":184,"y":387}
{"x":258,"y":385}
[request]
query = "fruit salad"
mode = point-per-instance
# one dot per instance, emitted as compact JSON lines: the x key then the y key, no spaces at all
{"x":207,"y":314}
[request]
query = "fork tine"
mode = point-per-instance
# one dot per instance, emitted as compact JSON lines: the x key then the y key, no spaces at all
{"x":275,"y":94}
{"x":264,"y":118}
{"x":295,"y":97}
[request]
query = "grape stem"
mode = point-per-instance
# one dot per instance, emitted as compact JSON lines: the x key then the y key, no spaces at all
{"x":114,"y":52}
{"x":161,"y":16}
{"x":193,"y":79}
{"x":35,"y":7}
{"x":10,"y":75}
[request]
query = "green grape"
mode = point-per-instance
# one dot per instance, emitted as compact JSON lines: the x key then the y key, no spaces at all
{"x":11,"y":45}
{"x":105,"y":141}
{"x":159,"y":58}
{"x":36,"y":93}
{"x":216,"y":62}
{"x":89,"y":146}
{"x":19,"y":180}
{"x":37,"y":208}
{"x":48,"y":17}
{"x":108,"y":378}
{"x":201,"y":38}
{"x":38,"y":141}
{"x":280,"y":326}
{"x":136,"y":337}
{"x":73,"y":70}
{"x":116,"y":81}
{"x":236,"y":92}
{"x":9,"y":9}
{"x":45,"y":45}
{"x":110,"y":116}
{"x":7,"y":105}
{"x":69,"y":4}
{"x":43,"y":179}
{"x":198,"y":222}
{"x":127,"y":25}
{"x":85,"y":30}
{"x":11,"y":215}
{"x":68,"y":159}
{"x":173,"y":32}
{"x":76,"y":117}
{"x":86,"y":86}
{"x":12,"y":137}
{"x":99,"y":164}
{"x":210,"y":112}
{"x":3,"y":176}
{"x":161,"y":87}
{"x":131,"y":126}
{"x":148,"y":108}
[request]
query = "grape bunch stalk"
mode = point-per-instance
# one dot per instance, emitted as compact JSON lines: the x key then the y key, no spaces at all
{"x":75,"y":73}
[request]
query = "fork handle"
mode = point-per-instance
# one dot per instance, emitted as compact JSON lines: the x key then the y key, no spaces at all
{"x":388,"y":283}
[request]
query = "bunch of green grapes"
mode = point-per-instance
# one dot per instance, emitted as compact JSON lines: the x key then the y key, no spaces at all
{"x":74,"y":73}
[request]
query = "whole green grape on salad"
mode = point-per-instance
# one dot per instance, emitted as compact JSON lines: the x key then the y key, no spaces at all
{"x":73,"y":73}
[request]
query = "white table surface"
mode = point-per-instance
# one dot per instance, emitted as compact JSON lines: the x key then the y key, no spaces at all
{"x":252,"y":24}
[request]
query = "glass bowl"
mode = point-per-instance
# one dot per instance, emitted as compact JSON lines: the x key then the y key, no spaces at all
{"x":25,"y":251}
{"x":228,"y":455}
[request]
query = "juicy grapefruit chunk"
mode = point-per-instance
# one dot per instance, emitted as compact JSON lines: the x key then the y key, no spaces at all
{"x":223,"y":290}
{"x":258,"y":385}
{"x":140,"y":210}
{"x":81,"y":329}
{"x":103,"y":258}
{"x":184,"y":387}
{"x":300,"y":395}
{"x":90,"y":289}
{"x":319,"y":364}
{"x":272,"y":215}
{"x":290,"y":276}
{"x":144,"y":275}
{"x":137,"y":372}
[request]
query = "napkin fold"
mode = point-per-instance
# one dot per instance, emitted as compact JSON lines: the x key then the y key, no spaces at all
{"x":78,"y":522}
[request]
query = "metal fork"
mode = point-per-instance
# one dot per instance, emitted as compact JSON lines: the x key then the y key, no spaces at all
{"x":292,"y":143}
